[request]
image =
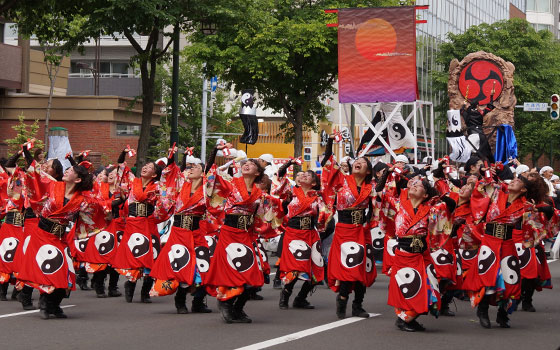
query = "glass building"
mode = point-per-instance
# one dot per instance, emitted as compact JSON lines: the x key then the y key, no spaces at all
{"x":543,"y":14}
{"x":455,"y":16}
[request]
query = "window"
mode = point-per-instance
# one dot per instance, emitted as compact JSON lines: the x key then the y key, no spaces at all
{"x":539,"y":27}
{"x":9,"y":32}
{"x":104,"y":67}
{"x":119,"y":68}
{"x":128,"y":130}
{"x":539,"y":5}
{"x":107,"y":69}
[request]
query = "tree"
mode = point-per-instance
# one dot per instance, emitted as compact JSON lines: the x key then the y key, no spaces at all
{"x":57,"y":35}
{"x":536,"y":77}
{"x":24,"y":132}
{"x":148,"y":18}
{"x":281,"y":48}
{"x":190,"y":96}
{"x":6,"y":5}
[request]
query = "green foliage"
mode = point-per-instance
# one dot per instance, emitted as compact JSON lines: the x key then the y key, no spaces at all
{"x":190,"y":109}
{"x":23,"y":133}
{"x":281,"y":48}
{"x":536,"y":78}
{"x":58,"y":33}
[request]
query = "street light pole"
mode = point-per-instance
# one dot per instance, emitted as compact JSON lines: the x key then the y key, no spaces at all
{"x":174,"y":135}
{"x":204,"y":109}
{"x":207,"y":28}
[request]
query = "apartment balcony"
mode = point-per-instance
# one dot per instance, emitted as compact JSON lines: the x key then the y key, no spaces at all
{"x":127,"y":85}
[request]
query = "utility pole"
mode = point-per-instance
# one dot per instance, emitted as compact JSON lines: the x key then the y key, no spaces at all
{"x":352,"y":127}
{"x":174,"y":135}
{"x":204,"y":108}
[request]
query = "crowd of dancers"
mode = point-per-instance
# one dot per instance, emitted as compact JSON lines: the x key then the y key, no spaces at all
{"x":440,"y":234}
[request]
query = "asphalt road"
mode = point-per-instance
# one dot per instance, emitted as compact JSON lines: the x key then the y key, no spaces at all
{"x":114,"y":324}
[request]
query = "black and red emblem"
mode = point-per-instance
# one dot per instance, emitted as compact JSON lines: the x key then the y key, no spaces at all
{"x":478,"y":79}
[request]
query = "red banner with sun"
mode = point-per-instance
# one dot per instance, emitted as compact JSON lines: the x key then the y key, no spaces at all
{"x":377,"y":55}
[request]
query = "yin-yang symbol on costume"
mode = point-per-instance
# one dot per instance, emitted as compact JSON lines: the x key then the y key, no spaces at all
{"x":49,"y":258}
{"x":202,"y":258}
{"x":240,"y":257}
{"x":510,"y":269}
{"x":211,"y":242}
{"x":300,"y":249}
{"x":8,"y":249}
{"x":398,"y":132}
{"x":69,"y":260}
{"x":156,"y":247}
{"x":370,"y":260}
{"x":262,"y":252}
{"x":467,"y":254}
{"x":538,"y":259}
{"x":351,"y":254}
{"x":26,"y":243}
{"x":409,"y":282}
{"x":377,"y":237}
{"x":179,"y":257}
{"x":486,"y":258}
{"x":138,"y":244}
{"x":81,"y":244}
{"x":523,"y":254}
{"x":442,"y":257}
{"x":258,"y":256}
{"x":119,"y":236}
{"x":432,"y":277}
{"x":316,"y":254}
{"x":459,"y":264}
{"x":391,"y":246}
{"x":104,"y":242}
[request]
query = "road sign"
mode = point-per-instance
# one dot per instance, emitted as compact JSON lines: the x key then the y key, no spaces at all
{"x":535,"y":107}
{"x":214,"y":83}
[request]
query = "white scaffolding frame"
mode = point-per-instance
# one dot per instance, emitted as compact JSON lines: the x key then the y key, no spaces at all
{"x":417,"y":113}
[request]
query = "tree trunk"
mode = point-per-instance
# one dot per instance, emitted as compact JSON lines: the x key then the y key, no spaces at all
{"x":52,"y":78}
{"x":298,"y":136}
{"x":147,"y":110}
{"x":535,"y":158}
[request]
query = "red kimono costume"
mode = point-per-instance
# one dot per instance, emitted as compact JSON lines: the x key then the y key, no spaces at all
{"x":497,"y":260}
{"x":47,"y":261}
{"x":99,"y":250}
{"x":351,"y":255}
{"x":186,"y":253}
{"x":386,"y":220}
{"x":552,"y":227}
{"x":140,"y":243}
{"x":466,"y":239}
{"x":301,"y":249}
{"x":421,"y":234}
{"x":11,"y":231}
{"x":236,"y":262}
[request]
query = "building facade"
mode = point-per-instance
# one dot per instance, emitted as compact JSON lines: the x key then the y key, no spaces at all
{"x":543,"y":15}
{"x":105,"y":124}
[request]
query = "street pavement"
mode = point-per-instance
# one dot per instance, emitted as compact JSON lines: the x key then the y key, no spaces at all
{"x":114,"y":324}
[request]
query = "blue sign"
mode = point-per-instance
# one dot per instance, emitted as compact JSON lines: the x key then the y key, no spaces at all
{"x":214,"y":83}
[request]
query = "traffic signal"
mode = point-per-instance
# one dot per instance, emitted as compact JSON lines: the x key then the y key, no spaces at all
{"x":554,"y":106}
{"x":307,"y":154}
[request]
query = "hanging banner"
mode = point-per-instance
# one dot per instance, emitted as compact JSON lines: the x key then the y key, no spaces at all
{"x":377,"y":54}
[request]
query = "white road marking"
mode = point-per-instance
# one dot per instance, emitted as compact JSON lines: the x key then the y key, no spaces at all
{"x":304,"y":333}
{"x":29,"y":312}
{"x":551,"y":260}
